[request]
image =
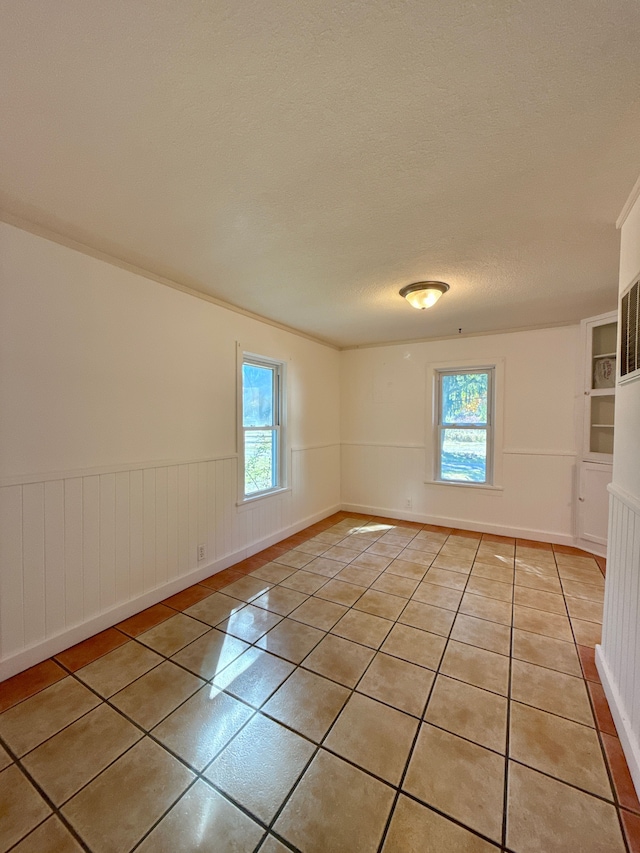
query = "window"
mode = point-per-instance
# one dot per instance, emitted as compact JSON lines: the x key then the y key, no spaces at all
{"x":262,"y":414}
{"x":464,"y":433}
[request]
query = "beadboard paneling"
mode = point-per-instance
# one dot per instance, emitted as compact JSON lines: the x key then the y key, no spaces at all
{"x":619,"y":655}
{"x":74,"y":550}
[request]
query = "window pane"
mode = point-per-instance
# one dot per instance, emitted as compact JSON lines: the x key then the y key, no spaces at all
{"x":464,"y":398}
{"x":257,"y":395}
{"x":464,"y":455}
{"x":260,"y":460}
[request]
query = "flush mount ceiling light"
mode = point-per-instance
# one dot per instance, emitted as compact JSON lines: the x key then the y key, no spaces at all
{"x":424,"y":294}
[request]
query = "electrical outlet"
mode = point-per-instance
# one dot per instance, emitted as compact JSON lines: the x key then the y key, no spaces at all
{"x":202,"y":552}
{"x":408,"y":503}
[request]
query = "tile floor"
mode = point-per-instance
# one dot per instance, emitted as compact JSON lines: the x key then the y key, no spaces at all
{"x":366,"y":685}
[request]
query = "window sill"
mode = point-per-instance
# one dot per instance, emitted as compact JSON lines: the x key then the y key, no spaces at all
{"x":262,"y":497}
{"x":480,"y":486}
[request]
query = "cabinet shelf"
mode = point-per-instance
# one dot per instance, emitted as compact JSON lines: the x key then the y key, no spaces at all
{"x":604,"y":355}
{"x":602,"y":426}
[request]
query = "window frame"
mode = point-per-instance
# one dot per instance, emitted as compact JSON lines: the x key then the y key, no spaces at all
{"x":278,"y":425}
{"x":490,"y":426}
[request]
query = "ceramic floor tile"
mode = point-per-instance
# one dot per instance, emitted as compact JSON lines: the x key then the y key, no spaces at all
{"x":152,"y":697}
{"x":273,"y":572}
{"x":540,"y":600}
{"x":405,"y":569}
{"x":302,"y":581}
{"x":586,"y":633}
{"x":547,"y":815}
{"x":281,"y":600}
{"x":291,"y":640}
{"x":551,"y":691}
{"x":28,"y":683}
{"x":539,"y":622}
{"x":340,"y":592}
{"x":295,"y":559}
{"x":307,"y":703}
{"x":546,"y":651}
{"x":561,"y":748}
{"x":471,"y":790}
{"x":415,"y":828}
{"x":396,"y":585}
{"x":583,"y":608}
{"x":247,"y":588}
{"x":315,"y":549}
{"x":363,"y":628}
{"x":346,"y":816}
{"x":339,"y":660}
{"x":21,"y":807}
{"x":89,"y":650}
{"x":202,"y":726}
{"x":66,"y":762}
{"x":501,"y":574}
{"x":532,"y":579}
{"x":358,"y":576}
{"x":50,"y":837}
{"x":158,"y":780}
{"x":486,"y":608}
{"x":254,"y":676}
{"x":468,"y":711}
{"x":427,"y":618}
{"x":380,"y":604}
{"x":417,"y":557}
{"x":446,"y":578}
{"x":215,"y":609}
{"x":209,"y":654}
{"x":460,"y":563}
{"x":5,"y":758}
{"x":371,"y":561}
{"x":373,"y":736}
{"x":341,"y":554}
{"x":415,"y":646}
{"x":120,"y":667}
{"x":202,"y":814}
{"x":325,"y":567}
{"x":188,"y":597}
{"x":272,"y":845}
{"x":397,"y":682}
{"x":174,"y":634}
{"x":25,"y":726}
{"x":384,"y":549}
{"x":591,"y":592}
{"x":476,"y":666}
{"x":260,"y":766}
{"x":438,"y":596}
{"x":479,"y":632}
{"x":145,"y":620}
{"x":489,"y":588}
{"x":318,"y":613}
{"x":622,"y":781}
{"x":250,"y":623}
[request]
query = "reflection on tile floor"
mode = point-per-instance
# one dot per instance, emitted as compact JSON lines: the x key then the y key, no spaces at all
{"x":366,"y":686}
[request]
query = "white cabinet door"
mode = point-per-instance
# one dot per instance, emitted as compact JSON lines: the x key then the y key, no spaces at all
{"x":593,"y":502}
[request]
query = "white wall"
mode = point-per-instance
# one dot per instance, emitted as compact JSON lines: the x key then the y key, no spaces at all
{"x":118,"y":443}
{"x":618,"y":657}
{"x":387,"y":438}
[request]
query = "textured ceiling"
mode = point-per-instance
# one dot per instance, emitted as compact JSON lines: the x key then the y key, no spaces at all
{"x":304,"y":159}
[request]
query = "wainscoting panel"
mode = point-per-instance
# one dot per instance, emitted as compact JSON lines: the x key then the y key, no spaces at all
{"x":78,"y":553}
{"x":618,"y":657}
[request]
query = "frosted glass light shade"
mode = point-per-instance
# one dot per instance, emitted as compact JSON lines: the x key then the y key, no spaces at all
{"x":424,"y":294}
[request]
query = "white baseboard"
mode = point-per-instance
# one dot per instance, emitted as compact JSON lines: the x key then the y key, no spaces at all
{"x":628,"y":739}
{"x":481,"y":527}
{"x":70,"y":636}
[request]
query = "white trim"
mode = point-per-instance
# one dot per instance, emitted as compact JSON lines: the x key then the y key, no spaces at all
{"x":519,"y":451}
{"x":628,"y":205}
{"x":382,"y":444}
{"x":628,"y":739}
{"x":487,"y":487}
{"x":272,"y":493}
{"x":69,"y":637}
{"x":631,"y":501}
{"x":315,"y":447}
{"x":462,"y":524}
{"x":26,"y":479}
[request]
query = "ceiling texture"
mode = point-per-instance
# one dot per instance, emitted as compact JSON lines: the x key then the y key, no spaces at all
{"x":304,"y":159}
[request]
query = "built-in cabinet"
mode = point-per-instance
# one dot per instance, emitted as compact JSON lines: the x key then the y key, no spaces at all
{"x":599,"y":341}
